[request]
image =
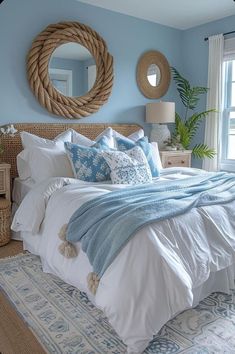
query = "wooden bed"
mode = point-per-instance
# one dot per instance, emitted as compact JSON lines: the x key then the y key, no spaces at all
{"x":13,"y":146}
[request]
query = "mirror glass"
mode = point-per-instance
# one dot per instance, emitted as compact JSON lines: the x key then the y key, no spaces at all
{"x":154,"y":75}
{"x":72,"y":69}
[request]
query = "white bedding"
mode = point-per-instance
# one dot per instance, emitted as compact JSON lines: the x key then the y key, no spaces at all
{"x":21,"y":188}
{"x":19,"y":191}
{"x":159,"y":273}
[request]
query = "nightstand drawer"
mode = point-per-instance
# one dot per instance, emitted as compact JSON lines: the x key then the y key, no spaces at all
{"x":176,"y":158}
{"x":5,"y":185}
{"x":177,"y":161}
{"x":2,"y":181}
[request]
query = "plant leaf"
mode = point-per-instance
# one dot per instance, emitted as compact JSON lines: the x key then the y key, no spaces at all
{"x":194,"y":121}
{"x":202,"y":150}
{"x":182,"y":131}
{"x":189,"y":95}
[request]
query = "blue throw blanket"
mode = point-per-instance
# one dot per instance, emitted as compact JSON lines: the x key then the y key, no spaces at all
{"x":105,"y":224}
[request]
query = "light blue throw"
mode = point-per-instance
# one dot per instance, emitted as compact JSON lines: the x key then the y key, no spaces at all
{"x":105,"y":224}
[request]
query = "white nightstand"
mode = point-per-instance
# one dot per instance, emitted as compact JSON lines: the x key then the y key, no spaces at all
{"x":179,"y":158}
{"x":5,"y":181}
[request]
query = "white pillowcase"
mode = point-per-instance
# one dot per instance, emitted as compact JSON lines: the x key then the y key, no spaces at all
{"x":80,"y":139}
{"x":133,"y":137}
{"x":156,"y":155}
{"x":129,"y":167}
{"x":45,"y":163}
{"x":30,"y":141}
{"x":110,"y":133}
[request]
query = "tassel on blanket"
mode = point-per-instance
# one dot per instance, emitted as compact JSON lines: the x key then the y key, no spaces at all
{"x":66,"y":248}
{"x":62,"y":233}
{"x":93,"y":282}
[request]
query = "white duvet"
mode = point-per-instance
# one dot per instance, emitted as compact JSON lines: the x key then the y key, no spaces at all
{"x":154,"y":276}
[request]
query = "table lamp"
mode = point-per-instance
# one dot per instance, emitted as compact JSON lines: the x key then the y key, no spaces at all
{"x":160,"y":113}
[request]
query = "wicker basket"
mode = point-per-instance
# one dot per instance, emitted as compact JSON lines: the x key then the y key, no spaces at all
{"x":5,"y":221}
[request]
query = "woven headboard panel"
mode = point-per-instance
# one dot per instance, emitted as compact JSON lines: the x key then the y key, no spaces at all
{"x":12,"y":145}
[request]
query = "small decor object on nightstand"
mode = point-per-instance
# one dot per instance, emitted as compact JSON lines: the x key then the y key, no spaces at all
{"x":176,"y":158}
{"x":157,"y":113}
{"x":7,"y":129}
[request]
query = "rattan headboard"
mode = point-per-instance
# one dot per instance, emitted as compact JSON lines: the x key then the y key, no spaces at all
{"x":12,"y":145}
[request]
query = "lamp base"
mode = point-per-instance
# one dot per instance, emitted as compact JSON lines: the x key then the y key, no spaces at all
{"x":160,"y":133}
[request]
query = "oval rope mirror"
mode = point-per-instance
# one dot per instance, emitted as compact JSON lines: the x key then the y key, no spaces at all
{"x":38,"y":70}
{"x":153,"y":83}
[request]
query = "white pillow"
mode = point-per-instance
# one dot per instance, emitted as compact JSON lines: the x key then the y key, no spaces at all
{"x":23,"y":165}
{"x":45,"y":163}
{"x":30,"y":141}
{"x":82,"y":140}
{"x":156,"y":155}
{"x":133,"y":137}
{"x":129,"y":167}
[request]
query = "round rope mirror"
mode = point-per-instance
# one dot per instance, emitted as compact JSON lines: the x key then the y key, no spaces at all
{"x":38,"y":60}
{"x":153,"y":74}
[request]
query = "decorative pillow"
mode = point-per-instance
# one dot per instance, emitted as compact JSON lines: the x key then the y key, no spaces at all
{"x":126,"y":144}
{"x":87,"y":162}
{"x":80,"y":139}
{"x":129,"y":167}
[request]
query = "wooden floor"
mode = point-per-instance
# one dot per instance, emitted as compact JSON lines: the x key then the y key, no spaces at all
{"x":11,"y":249}
{"x":15,"y":337}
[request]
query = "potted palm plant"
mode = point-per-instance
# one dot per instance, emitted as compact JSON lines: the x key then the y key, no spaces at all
{"x":187,"y":126}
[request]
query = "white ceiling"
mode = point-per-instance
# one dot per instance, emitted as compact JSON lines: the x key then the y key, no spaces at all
{"x":181,"y":14}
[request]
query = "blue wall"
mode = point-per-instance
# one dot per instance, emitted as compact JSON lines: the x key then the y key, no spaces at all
{"x":127,"y":39}
{"x":195,"y":59}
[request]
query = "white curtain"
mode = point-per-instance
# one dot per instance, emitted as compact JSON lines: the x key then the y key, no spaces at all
{"x":214,"y":100}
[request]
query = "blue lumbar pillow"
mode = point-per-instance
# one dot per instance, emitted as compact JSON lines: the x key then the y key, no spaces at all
{"x":87,"y":162}
{"x":126,"y":144}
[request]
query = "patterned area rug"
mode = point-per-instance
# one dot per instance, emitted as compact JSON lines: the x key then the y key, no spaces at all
{"x":65,"y":321}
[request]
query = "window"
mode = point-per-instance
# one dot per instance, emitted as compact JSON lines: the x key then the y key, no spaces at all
{"x":228,"y":122}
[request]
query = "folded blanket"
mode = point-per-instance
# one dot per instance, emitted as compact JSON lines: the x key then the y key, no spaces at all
{"x":105,"y":224}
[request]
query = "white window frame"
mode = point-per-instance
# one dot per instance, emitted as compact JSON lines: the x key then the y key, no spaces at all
{"x":63,"y":75}
{"x":91,"y":72}
{"x":229,"y":55}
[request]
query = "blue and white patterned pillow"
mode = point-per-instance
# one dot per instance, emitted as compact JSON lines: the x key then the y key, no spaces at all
{"x":125,"y":144}
{"x":87,"y":162}
{"x":129,"y":167}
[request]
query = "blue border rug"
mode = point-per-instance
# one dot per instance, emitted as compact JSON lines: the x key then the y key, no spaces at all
{"x":65,"y":321}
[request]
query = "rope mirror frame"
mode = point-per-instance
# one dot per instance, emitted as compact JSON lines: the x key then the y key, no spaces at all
{"x":157,"y":58}
{"x":38,"y":59}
